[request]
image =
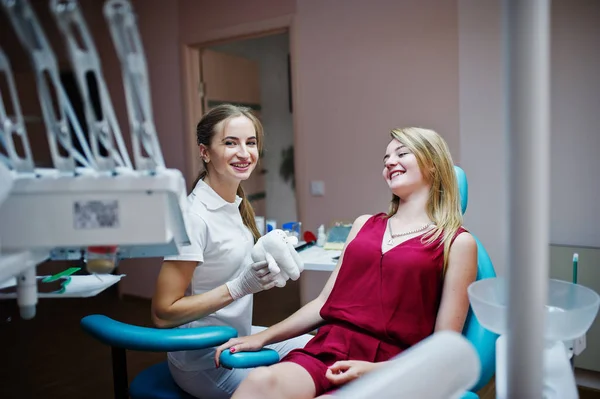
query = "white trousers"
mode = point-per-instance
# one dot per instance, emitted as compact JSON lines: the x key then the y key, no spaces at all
{"x":221,"y":383}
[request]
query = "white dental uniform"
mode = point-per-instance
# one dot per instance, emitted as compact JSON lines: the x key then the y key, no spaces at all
{"x":221,"y":244}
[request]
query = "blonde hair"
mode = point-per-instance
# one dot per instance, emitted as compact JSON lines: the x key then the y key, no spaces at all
{"x":436,"y":165}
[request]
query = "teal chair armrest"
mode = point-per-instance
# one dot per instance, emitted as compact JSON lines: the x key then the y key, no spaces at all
{"x":241,"y":360}
{"x":157,"y":379}
{"x":127,"y":336}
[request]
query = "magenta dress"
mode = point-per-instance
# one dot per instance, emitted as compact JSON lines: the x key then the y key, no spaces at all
{"x":380,"y":305}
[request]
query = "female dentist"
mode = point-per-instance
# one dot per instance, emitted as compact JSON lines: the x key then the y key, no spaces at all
{"x":211,"y":281}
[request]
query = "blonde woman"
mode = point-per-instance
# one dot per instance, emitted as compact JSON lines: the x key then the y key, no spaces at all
{"x":401,"y":277}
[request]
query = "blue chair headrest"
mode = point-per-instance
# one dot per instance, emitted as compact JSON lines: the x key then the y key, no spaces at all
{"x":483,"y":340}
{"x":463,"y":188}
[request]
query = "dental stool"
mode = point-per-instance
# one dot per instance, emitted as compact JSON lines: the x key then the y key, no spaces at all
{"x":156,"y":382}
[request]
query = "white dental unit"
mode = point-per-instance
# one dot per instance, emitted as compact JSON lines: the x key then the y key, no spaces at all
{"x":98,"y":198}
{"x":91,"y":201}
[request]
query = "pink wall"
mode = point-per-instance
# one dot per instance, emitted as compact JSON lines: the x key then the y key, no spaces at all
{"x":361,"y":69}
{"x":199,"y":19}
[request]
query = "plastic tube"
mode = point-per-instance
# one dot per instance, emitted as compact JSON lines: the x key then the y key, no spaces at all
{"x":27,"y":293}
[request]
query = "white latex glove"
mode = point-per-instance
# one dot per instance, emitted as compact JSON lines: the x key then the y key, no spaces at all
{"x":293,"y":266}
{"x":256,"y":277}
{"x":280,"y":276}
{"x":288,"y":263}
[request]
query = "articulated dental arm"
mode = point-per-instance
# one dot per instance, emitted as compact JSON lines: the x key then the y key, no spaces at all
{"x":102,"y":123}
{"x":125,"y":35}
{"x":45,"y":66}
{"x":13,"y":125}
{"x":90,"y":205}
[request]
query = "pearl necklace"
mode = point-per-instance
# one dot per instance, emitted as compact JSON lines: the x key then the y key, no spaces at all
{"x":406,"y":233}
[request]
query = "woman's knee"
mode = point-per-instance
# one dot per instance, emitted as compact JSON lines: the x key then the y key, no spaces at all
{"x":260,"y":383}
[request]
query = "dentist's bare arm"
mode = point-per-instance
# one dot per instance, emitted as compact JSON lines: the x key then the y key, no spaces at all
{"x":170,"y":306}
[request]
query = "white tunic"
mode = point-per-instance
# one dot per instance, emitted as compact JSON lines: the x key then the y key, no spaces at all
{"x":221,"y":244}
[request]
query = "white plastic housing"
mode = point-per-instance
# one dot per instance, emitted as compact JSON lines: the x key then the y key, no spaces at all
{"x":570,"y":308}
{"x":141,"y":213}
{"x":6,"y":182}
{"x":442,"y":366}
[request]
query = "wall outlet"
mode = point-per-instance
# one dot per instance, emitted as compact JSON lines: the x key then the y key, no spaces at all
{"x":579,"y":346}
{"x":317,"y":188}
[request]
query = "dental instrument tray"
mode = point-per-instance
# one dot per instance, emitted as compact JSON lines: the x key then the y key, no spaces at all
{"x":337,"y":235}
{"x":80,"y":286}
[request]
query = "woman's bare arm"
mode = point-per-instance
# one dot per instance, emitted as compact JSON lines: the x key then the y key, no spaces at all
{"x":170,"y":306}
{"x":461,"y":271}
{"x":306,"y":319}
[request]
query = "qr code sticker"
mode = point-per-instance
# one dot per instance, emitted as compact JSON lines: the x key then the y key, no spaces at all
{"x":96,"y":214}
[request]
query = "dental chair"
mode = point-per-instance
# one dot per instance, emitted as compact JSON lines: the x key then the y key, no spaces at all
{"x":156,"y":382}
{"x":483,"y":340}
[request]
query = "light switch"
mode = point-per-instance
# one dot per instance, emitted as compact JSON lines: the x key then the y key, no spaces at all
{"x":579,"y":345}
{"x":317,"y":188}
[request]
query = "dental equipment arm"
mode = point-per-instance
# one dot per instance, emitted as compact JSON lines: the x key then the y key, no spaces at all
{"x":104,"y":209}
{"x":13,"y":125}
{"x":102,"y":123}
{"x":45,"y":67}
{"x":125,"y":35}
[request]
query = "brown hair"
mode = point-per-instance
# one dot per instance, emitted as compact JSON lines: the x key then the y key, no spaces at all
{"x":206,"y":130}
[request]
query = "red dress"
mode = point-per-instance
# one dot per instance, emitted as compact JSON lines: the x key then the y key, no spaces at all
{"x":380,"y":305}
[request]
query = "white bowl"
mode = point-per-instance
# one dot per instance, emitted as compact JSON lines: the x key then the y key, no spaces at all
{"x":570,"y":309}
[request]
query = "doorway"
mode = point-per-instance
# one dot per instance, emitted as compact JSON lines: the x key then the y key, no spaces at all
{"x":255,"y":73}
